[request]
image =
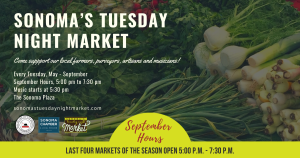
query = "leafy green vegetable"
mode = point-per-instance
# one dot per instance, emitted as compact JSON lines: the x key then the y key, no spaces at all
{"x":128,"y":84}
{"x":7,"y":11}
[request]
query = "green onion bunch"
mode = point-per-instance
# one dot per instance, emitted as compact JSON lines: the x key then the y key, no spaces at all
{"x":206,"y":106}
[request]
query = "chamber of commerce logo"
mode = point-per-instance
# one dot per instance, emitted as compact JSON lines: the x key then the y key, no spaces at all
{"x":25,"y":125}
{"x":48,"y":125}
{"x":75,"y":124}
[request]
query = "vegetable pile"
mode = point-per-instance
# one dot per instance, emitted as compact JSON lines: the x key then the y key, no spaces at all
{"x":279,"y":98}
{"x":207,"y":106}
{"x":268,"y":71}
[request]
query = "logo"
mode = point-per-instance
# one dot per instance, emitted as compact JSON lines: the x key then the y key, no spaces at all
{"x":75,"y":125}
{"x":48,"y":124}
{"x":25,"y":125}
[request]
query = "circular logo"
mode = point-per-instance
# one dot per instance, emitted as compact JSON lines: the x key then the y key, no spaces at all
{"x":25,"y":125}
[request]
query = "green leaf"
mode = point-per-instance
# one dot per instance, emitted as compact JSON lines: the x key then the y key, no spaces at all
{"x":72,"y":100}
{"x":114,"y":102}
{"x":90,"y":93}
{"x":118,"y":72}
{"x":11,"y":125}
{"x":176,"y":10}
{"x":130,"y":83}
{"x":75,"y":7}
{"x":63,"y":40}
{"x":213,"y":127}
{"x":178,"y":51}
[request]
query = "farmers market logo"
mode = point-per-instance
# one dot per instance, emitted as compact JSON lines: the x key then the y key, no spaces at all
{"x":75,"y":125}
{"x":25,"y":125}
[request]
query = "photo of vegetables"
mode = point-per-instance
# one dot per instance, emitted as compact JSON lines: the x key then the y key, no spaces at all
{"x":238,"y":78}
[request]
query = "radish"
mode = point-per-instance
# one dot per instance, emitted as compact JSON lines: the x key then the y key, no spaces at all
{"x":145,"y":10}
{"x":137,"y":12}
{"x":148,"y":12}
{"x":154,"y":3}
{"x":136,"y":6}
